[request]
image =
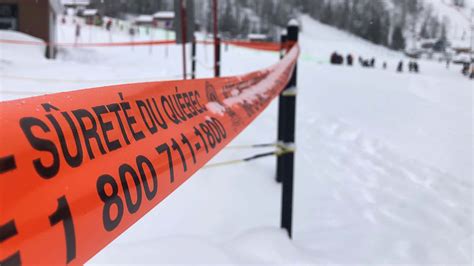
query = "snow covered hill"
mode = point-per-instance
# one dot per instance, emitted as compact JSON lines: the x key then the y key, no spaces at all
{"x":459,"y":18}
{"x":384,"y":164}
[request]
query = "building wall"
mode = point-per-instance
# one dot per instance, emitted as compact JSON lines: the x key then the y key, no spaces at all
{"x":34,"y":18}
{"x":164,"y":23}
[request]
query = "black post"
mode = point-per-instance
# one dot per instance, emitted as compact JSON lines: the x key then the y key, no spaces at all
{"x":216,"y":38}
{"x":287,"y":118}
{"x":217,"y":69}
{"x":183,"y":35}
{"x":283,"y":39}
{"x":193,"y":59}
{"x":283,"y":46}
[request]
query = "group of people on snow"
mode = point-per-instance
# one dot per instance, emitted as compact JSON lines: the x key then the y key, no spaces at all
{"x":468,"y":70}
{"x":412,"y":67}
{"x":338,"y":59}
{"x":367,"y":62}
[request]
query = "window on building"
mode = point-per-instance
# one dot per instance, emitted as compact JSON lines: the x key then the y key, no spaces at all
{"x":8,"y":17}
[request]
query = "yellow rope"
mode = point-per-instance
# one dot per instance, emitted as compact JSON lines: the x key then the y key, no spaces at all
{"x":214,"y":165}
{"x":250,"y":146}
{"x":282,"y":149}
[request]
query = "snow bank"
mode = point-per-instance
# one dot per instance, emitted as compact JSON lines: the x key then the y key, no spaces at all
{"x":257,"y":246}
{"x":14,"y":52}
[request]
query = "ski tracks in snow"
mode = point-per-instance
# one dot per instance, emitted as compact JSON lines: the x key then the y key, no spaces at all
{"x":361,"y":186}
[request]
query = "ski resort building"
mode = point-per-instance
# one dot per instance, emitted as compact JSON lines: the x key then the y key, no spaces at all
{"x":255,"y":37}
{"x":36,"y":18}
{"x":76,"y":5}
{"x":91,"y":16}
{"x":144,"y":20}
{"x":164,"y":19}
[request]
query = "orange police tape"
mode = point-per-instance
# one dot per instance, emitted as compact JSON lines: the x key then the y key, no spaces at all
{"x":262,"y":46}
{"x":109,"y":44}
{"x":79,"y":168}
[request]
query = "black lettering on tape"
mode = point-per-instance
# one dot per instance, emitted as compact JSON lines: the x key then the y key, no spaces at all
{"x":169,"y":111}
{"x":89,"y":133}
{"x":13,"y":260}
{"x":110,"y":223}
{"x":147,"y":117}
{"x":48,"y":107}
{"x":115,"y":108}
{"x":156,"y":113}
{"x":165,"y":148}
{"x":73,"y":161}
{"x":125,"y":169}
{"x":7,"y":231}
{"x":112,"y":145}
{"x":137,"y":135}
{"x":149,"y":193}
{"x":176,"y":106}
{"x":7,"y":164}
{"x":27,"y":124}
{"x":63,"y":214}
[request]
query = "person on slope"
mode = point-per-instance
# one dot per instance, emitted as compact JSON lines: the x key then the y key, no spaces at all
{"x":333,"y":58}
{"x":416,"y":67}
{"x":400,"y":67}
{"x":77,"y":33}
{"x":350,"y":60}
{"x":337,"y":59}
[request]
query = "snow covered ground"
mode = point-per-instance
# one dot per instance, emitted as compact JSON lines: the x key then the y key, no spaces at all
{"x":384,"y":166}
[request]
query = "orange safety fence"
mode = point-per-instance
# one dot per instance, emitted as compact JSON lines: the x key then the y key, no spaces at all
{"x":109,"y":44}
{"x":79,"y":168}
{"x":263,"y":46}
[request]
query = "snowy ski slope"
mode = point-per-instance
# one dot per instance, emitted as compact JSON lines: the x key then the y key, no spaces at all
{"x":459,"y":18}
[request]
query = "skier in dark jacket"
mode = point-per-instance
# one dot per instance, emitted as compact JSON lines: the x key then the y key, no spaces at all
{"x":337,"y":59}
{"x":372,"y":62}
{"x":465,"y":69}
{"x":333,"y":59}
{"x":416,"y":67}
{"x":411,"y":66}
{"x":400,"y":67}
{"x":108,"y":25}
{"x":350,"y":60}
{"x":340,"y":59}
